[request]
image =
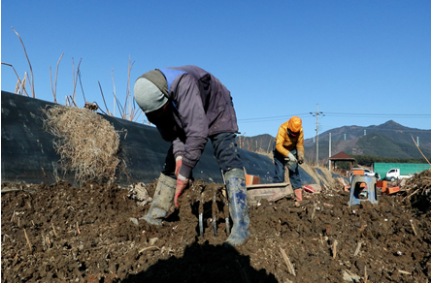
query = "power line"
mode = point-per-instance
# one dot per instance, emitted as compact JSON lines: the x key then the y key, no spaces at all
{"x":378,"y":115}
{"x":337,"y":114}
{"x":270,"y":118}
{"x":368,"y":128}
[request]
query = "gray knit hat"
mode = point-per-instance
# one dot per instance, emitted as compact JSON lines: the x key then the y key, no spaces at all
{"x":151,"y":91}
{"x":148,"y":96}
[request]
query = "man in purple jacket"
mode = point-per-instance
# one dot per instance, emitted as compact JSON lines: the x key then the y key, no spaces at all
{"x":188,"y":105}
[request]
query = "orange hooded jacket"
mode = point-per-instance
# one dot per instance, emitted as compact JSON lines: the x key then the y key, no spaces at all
{"x":285,"y":143}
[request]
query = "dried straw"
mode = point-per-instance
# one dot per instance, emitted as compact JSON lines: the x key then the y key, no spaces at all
{"x":88,"y":144}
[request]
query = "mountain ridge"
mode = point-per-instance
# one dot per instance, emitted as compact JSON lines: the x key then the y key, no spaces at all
{"x":389,"y":139}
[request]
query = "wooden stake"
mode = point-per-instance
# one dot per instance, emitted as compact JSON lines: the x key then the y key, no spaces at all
{"x":288,"y":263}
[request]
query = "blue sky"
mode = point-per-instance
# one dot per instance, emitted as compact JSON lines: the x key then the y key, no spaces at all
{"x":363,"y":62}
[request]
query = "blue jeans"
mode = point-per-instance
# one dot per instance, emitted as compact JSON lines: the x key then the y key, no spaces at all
{"x":225,"y":151}
{"x":280,"y":162}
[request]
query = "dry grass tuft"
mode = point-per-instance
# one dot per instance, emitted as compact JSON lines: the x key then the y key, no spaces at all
{"x":268,"y":154}
{"x":88,"y":144}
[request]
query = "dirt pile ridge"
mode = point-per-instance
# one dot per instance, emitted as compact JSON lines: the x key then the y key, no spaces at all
{"x":63,"y":234}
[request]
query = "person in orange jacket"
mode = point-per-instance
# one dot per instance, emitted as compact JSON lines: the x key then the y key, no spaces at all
{"x":289,"y":151}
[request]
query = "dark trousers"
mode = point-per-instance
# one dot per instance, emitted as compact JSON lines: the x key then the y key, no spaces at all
{"x":225,"y":151}
{"x":280,"y":162}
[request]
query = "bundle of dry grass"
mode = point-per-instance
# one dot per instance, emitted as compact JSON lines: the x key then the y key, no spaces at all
{"x":87,"y":143}
{"x":420,"y":183}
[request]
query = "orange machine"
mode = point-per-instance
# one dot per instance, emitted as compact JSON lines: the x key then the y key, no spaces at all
{"x":251,"y":179}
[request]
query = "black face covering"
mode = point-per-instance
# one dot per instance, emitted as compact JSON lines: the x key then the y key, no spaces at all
{"x":164,"y":121}
{"x":292,"y":134}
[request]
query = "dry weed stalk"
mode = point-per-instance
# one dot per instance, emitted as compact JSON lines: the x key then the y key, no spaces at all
{"x":101,"y":91}
{"x":290,"y":267}
{"x":127,"y":112}
{"x":54,"y":88}
{"x":114,"y":92}
{"x":75,"y":79}
{"x":420,"y":182}
{"x":420,"y":150}
{"x":22,"y":85}
{"x":270,"y":155}
{"x":31,"y":82}
{"x":87,"y":143}
{"x":19,"y":83}
{"x":28,"y":241}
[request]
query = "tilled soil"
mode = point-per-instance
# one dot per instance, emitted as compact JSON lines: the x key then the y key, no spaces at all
{"x":59,"y":233}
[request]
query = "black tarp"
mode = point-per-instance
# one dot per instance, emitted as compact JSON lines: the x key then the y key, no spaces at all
{"x":28,"y":155}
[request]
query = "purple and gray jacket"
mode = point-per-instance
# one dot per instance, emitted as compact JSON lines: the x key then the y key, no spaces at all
{"x":202,"y":107}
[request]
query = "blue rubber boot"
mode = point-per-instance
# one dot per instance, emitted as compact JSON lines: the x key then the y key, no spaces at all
{"x":162,"y":200}
{"x":238,"y":208}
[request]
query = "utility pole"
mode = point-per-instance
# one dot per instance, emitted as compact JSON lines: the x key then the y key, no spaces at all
{"x":317,"y":113}
{"x":329,"y":161}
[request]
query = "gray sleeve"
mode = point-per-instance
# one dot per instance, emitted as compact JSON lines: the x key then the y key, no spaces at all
{"x":193,"y":119}
{"x":178,"y":147}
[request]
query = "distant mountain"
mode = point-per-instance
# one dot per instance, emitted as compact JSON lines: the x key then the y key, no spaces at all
{"x":386,"y":140}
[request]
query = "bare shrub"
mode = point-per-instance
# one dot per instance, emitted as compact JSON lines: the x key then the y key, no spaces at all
{"x":87,"y":143}
{"x":268,"y":154}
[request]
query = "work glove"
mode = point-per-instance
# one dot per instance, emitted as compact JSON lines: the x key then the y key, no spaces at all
{"x":182,"y":183}
{"x":300,"y":159}
{"x":290,"y":157}
{"x":178,"y":163}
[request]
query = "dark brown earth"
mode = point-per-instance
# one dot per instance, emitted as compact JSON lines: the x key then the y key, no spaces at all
{"x":63,"y":234}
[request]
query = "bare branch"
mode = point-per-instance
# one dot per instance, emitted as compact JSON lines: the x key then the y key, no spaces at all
{"x":16,"y":74}
{"x":129,"y":93}
{"x":54,"y":88}
{"x":75,"y":79}
{"x":22,"y":86}
{"x":107,"y":110}
{"x":82,"y":88}
{"x":113,"y":82}
{"x":420,"y":150}
{"x":28,"y":60}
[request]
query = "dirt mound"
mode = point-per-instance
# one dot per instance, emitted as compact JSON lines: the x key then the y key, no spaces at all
{"x":63,"y":234}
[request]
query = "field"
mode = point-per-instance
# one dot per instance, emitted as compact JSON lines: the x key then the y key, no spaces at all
{"x":59,"y":233}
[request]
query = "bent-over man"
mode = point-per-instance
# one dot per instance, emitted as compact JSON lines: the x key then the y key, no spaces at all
{"x":188,"y":105}
{"x":289,"y":152}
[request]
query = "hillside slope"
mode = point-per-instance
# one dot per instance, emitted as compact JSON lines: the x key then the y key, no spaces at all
{"x":386,"y":140}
